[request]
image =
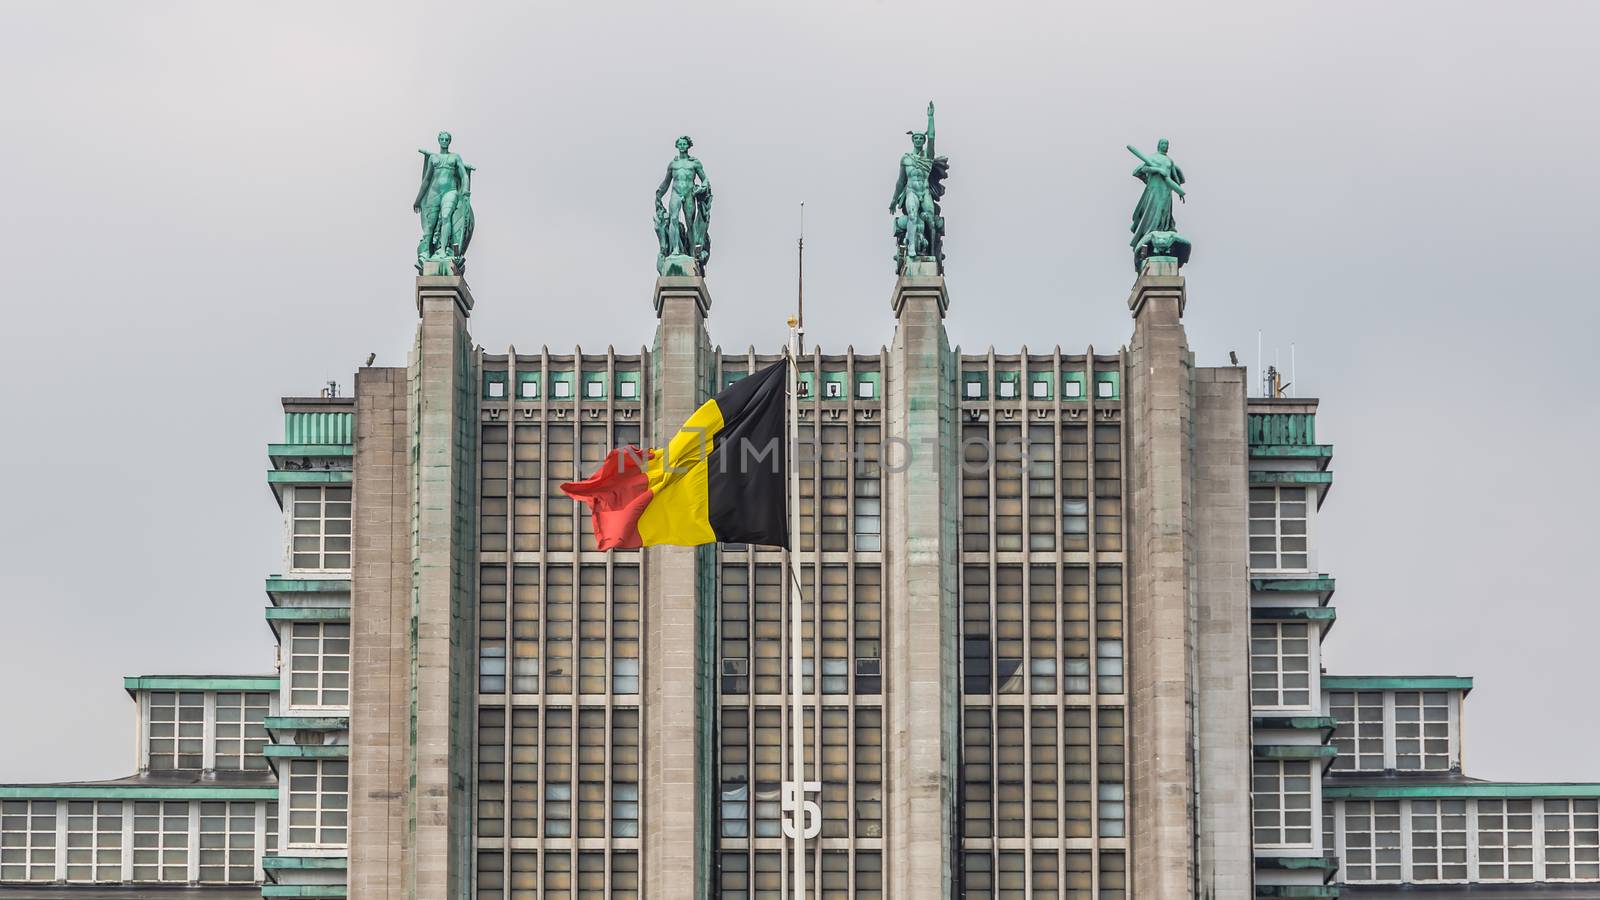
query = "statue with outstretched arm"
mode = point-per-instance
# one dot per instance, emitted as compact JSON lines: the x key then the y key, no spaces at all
{"x":919,"y":183}
{"x":1162,"y":178}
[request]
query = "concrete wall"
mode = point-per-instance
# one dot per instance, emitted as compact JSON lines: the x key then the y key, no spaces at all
{"x":380,"y":626}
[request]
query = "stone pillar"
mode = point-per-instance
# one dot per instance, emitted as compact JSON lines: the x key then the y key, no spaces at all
{"x":679,"y":696}
{"x":380,"y":629}
{"x":1222,"y":633}
{"x":443,"y":423}
{"x":1161,"y":646}
{"x":921,"y":692}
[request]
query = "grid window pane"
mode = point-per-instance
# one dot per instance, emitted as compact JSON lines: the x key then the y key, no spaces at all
{"x":320,"y":522}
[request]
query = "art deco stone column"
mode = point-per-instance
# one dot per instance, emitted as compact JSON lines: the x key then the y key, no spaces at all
{"x":679,"y":626}
{"x":920,"y":552}
{"x":1161,"y":646}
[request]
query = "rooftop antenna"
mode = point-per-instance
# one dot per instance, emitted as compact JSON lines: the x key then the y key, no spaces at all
{"x":1260,"y":372}
{"x":800,"y":281}
{"x":1292,"y":376}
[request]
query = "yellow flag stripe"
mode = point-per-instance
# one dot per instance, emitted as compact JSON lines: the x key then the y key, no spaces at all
{"x":679,"y":510}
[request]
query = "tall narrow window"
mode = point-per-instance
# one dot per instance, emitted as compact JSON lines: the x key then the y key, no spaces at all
{"x":228,"y":842}
{"x":1281,"y":796}
{"x":321,"y":526}
{"x":319,"y":795}
{"x":1278,"y":529}
{"x":1438,"y":840}
{"x":1371,"y":840}
{"x":1571,"y":839}
{"x":1422,"y":731}
{"x":1505,"y":840}
{"x":177,"y":730}
{"x":319,"y":664}
{"x":1359,"y":734}
{"x":94,"y":840}
{"x":241,"y":732}
{"x":1280,"y":665}
{"x":28,"y":840}
{"x":161,"y":841}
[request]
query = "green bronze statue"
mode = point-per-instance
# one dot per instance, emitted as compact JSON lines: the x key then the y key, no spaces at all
{"x":683,"y":225}
{"x":445,"y":202}
{"x":918,"y":188}
{"x":1154,"y":231}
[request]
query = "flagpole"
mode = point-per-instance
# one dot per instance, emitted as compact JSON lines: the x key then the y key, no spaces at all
{"x":796,"y":678}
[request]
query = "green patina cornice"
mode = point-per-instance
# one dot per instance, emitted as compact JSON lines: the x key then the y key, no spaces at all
{"x":1302,"y":613}
{"x":305,"y":862}
{"x":308,"y":613}
{"x":137,"y":792}
{"x":1396,"y":682}
{"x":304,"y":890}
{"x":1487,"y":789}
{"x":1298,"y":863}
{"x":1282,"y":429}
{"x":1291,"y":751}
{"x":307,"y":723}
{"x":1319,"y":584}
{"x":1280,"y":451}
{"x":133,"y":683}
{"x":311,"y":450}
{"x":306,"y":751}
{"x":324,"y":476}
{"x":1297,"y":723}
{"x":1291,"y":478}
{"x":1297,"y":890}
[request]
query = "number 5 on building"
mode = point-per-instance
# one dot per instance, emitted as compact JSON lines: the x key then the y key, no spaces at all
{"x":813,"y":812}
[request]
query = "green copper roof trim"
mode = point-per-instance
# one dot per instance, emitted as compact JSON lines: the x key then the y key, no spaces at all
{"x":282,"y":584}
{"x":136,"y":792}
{"x":311,"y":450}
{"x":1401,"y":682}
{"x":306,"y":751}
{"x":1297,"y":890}
{"x":316,"y":477}
{"x":1298,"y":863}
{"x":318,"y":428}
{"x":1321,"y":584}
{"x":1487,"y":789}
{"x":1286,"y":751}
{"x":1291,"y":478}
{"x":305,"y":862}
{"x":304,"y":890}
{"x":1283,"y":429}
{"x":1307,"y":613}
{"x":306,"y":723}
{"x":1298,"y":723}
{"x":1289,"y":451}
{"x":133,"y":683}
{"x":308,"y":614}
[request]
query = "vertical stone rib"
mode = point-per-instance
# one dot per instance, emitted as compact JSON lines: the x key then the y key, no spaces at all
{"x":380,"y":624}
{"x":920,"y":553}
{"x":1160,"y":556}
{"x":675,"y":824}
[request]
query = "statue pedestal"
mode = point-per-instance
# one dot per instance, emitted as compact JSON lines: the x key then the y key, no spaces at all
{"x":678,"y":264}
{"x":1166,"y":246}
{"x":440,"y":266}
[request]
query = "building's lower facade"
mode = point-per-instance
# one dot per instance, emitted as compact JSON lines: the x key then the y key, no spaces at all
{"x":1061,"y":627}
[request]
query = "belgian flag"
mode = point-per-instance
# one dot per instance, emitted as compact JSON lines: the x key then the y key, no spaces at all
{"x":723,"y":477}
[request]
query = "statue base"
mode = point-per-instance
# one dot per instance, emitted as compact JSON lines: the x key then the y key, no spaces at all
{"x":920,"y":267}
{"x":1161,"y":245}
{"x":678,"y":264}
{"x":441,"y":265}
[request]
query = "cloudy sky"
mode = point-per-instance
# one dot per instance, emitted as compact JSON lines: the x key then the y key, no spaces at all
{"x":209,"y":208}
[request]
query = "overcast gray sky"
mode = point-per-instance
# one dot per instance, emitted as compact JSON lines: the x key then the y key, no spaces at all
{"x":208,"y":207}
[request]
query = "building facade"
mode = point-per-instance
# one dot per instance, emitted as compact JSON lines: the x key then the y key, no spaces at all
{"x":1061,"y":618}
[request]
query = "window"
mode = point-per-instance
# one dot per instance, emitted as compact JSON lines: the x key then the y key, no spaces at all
{"x":1438,"y":840}
{"x":972,"y":385}
{"x":562,"y":389}
{"x":1280,"y":664}
{"x":497,"y":387}
{"x":1371,"y":840}
{"x":1278,"y":529}
{"x":1359,"y":734}
{"x":319,"y":664}
{"x":865,"y":389}
{"x":1110,"y":756}
{"x":94,"y":840}
{"x":628,"y":389}
{"x":321,"y":526}
{"x":528,"y":386}
{"x":833,"y":390}
{"x":1072,"y":389}
{"x":177,"y":730}
{"x":594,"y":389}
{"x":1505,"y":840}
{"x":1571,"y":839}
{"x":1422,"y":731}
{"x":28,"y":840}
{"x":491,"y":771}
{"x":161,"y":841}
{"x":1105,"y":390}
{"x":319,"y":792}
{"x":240,"y":732}
{"x":1281,"y":795}
{"x":1007,"y":389}
{"x":228,"y":842}
{"x":1039,"y":390}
